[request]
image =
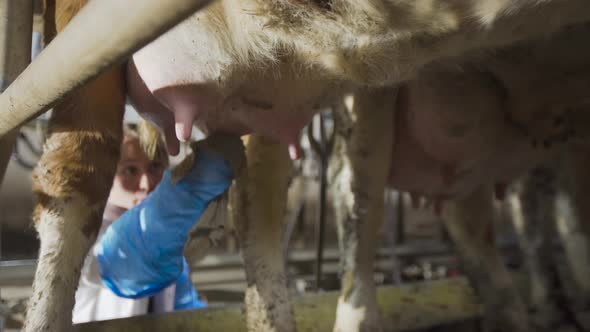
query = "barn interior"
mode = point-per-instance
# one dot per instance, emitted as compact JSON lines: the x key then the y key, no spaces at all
{"x":422,"y":283}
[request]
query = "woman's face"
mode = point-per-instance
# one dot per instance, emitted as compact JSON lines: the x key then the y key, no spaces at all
{"x":136,"y":175}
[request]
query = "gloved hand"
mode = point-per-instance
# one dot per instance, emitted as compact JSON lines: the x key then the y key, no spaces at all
{"x":141,"y":252}
{"x":185,"y":296}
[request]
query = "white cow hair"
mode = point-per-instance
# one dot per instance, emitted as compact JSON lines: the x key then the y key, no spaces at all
{"x":377,"y":42}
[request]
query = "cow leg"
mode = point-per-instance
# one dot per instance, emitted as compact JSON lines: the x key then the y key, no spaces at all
{"x":71,"y":183}
{"x":362,"y":156}
{"x":469,"y":222}
{"x":259,"y":208}
{"x":575,"y":228}
{"x":533,"y":214}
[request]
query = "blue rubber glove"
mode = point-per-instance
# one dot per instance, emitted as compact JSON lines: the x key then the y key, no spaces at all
{"x":186,"y":297}
{"x":141,"y":252}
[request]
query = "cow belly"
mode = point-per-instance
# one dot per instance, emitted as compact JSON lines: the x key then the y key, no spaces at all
{"x":452,"y":136}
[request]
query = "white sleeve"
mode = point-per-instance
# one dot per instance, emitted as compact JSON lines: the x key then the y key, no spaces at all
{"x":90,"y":275}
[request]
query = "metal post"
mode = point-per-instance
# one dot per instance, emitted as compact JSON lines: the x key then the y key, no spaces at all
{"x":16,"y":29}
{"x":323,"y":149}
{"x":401,"y":221}
{"x":102,"y":34}
{"x":321,"y":225}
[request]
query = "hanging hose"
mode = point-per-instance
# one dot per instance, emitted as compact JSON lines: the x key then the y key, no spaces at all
{"x":23,"y":139}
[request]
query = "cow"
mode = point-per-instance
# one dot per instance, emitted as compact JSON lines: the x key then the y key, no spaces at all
{"x":464,"y":128}
{"x":544,"y":207}
{"x":265,"y":67}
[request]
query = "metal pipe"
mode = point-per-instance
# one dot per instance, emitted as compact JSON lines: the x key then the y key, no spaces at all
{"x":7,"y":143}
{"x":321,"y":225}
{"x":102,"y":34}
{"x":21,"y":272}
{"x":16,"y":29}
{"x":401,"y":220}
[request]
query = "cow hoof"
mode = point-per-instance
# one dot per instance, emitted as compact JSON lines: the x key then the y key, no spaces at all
{"x":356,"y":319}
{"x":362,"y":328}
